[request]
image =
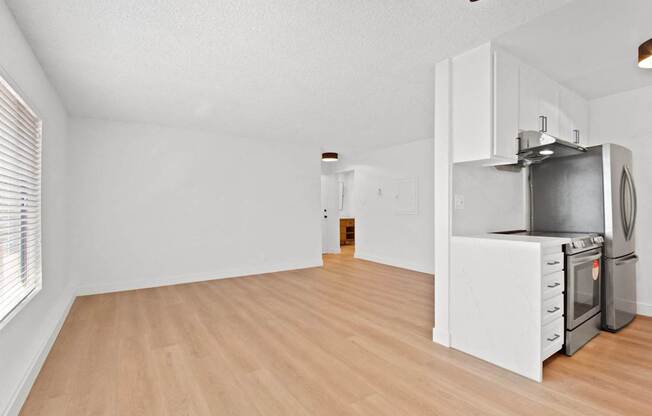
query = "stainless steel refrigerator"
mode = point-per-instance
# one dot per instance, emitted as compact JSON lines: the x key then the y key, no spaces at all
{"x":594,"y":192}
{"x":619,"y":300}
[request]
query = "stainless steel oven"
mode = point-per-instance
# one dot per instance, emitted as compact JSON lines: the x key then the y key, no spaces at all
{"x":584,"y":278}
{"x":583,"y":273}
{"x":583,"y":296}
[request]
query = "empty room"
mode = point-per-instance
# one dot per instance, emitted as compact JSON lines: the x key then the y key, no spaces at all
{"x":360,"y":208}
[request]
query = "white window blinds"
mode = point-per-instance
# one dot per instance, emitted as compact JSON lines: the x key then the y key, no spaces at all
{"x":20,"y":202}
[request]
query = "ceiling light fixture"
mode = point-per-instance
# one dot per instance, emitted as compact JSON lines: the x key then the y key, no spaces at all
{"x":546,"y":152}
{"x":645,"y":55}
{"x":329,"y":157}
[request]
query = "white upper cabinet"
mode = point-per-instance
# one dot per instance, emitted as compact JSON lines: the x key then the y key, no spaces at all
{"x":539,"y":102}
{"x":494,"y":96}
{"x":573,"y":117}
{"x":506,"y":96}
{"x":485,"y":107}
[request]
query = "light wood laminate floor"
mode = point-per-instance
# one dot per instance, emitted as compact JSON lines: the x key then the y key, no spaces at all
{"x":351,"y":338}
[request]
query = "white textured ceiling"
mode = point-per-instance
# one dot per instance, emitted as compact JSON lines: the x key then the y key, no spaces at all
{"x":342,"y":74}
{"x":591,"y":46}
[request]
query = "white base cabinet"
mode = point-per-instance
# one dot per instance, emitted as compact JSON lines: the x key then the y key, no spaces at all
{"x":506,"y":300}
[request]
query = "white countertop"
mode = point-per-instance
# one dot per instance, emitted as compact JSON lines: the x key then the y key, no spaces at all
{"x":519,"y":238}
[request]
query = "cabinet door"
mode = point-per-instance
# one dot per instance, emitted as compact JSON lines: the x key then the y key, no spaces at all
{"x":581,"y":123}
{"x":549,"y":104}
{"x":472,"y":105}
{"x":566,"y":111}
{"x":574,"y":116}
{"x":538,"y":98}
{"x":528,"y":117}
{"x":505,"y":106}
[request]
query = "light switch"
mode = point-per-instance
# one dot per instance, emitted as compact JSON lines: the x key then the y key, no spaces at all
{"x":459,"y":201}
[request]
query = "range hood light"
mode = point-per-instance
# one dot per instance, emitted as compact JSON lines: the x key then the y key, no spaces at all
{"x":645,"y":55}
{"x":546,"y":152}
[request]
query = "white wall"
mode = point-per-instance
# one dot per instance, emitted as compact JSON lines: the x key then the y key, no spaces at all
{"x":29,"y":333}
{"x":381,"y":234}
{"x":443,"y":185}
{"x":155,"y":205}
{"x":493,"y":200}
{"x":625,"y":119}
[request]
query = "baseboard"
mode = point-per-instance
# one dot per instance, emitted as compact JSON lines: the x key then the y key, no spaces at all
{"x":196,"y":277}
{"x":644,"y":309}
{"x":393,"y":262}
{"x":25,"y":386}
{"x":441,"y":337}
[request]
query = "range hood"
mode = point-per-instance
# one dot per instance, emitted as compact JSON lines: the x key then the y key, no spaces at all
{"x":536,"y":146}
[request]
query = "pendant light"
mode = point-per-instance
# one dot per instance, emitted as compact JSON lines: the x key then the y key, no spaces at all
{"x":645,"y":55}
{"x":329,"y":157}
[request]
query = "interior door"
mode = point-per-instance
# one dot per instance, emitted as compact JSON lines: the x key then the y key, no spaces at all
{"x":324,"y":215}
{"x":620,"y":201}
{"x":330,"y":217}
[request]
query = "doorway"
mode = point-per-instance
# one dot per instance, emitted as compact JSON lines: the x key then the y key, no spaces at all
{"x":337,"y":211}
{"x":345,"y":181}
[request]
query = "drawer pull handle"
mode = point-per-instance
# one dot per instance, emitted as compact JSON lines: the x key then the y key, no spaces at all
{"x":554,"y":285}
{"x":552,"y":263}
{"x":553,"y":310}
{"x":553,"y":338}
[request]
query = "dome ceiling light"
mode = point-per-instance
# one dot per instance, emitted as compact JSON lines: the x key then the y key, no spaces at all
{"x":645,"y":55}
{"x":329,"y":157}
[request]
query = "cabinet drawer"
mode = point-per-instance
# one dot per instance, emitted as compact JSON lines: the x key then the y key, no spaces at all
{"x":552,"y":309}
{"x":552,"y":338}
{"x":553,"y":285}
{"x":553,"y":263}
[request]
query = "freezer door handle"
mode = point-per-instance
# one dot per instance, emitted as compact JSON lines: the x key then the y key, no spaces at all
{"x":634,"y":202}
{"x":630,"y":259}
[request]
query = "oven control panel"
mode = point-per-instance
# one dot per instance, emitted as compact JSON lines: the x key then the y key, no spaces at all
{"x":584,"y":243}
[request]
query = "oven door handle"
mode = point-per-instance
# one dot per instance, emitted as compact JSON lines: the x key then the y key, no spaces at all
{"x":583,"y":259}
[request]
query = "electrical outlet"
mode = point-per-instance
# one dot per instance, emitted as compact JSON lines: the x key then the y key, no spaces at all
{"x":459,"y":201}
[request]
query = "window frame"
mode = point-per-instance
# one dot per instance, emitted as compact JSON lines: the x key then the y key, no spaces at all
{"x":20,"y":96}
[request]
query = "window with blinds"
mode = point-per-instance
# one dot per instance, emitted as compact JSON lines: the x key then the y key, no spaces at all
{"x":20,"y":202}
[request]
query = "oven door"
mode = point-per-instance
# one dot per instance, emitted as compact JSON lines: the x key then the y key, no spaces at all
{"x":584,"y":276}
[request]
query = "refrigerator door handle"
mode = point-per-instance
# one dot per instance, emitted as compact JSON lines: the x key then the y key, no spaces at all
{"x":623,"y":214}
{"x":630,"y":259}
{"x":634,"y":203}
